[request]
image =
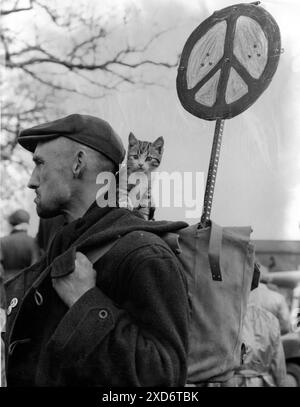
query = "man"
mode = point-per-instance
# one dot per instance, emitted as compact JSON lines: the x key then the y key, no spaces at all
{"x":18,"y":250}
{"x":121,"y":322}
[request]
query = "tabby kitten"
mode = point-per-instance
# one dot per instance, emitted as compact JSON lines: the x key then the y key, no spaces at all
{"x":143,"y":157}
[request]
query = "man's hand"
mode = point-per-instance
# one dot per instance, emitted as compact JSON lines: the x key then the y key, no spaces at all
{"x":74,"y":285}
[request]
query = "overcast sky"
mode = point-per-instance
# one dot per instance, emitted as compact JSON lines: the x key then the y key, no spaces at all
{"x":258,"y":179}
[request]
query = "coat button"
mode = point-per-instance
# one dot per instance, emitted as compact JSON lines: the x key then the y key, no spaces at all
{"x":103,"y":314}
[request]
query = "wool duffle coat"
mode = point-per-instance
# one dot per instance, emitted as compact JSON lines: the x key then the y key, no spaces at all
{"x":129,"y":330}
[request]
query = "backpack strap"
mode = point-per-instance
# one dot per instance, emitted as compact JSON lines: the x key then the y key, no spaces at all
{"x":172,"y":240}
{"x":214,"y":251}
{"x":95,"y":254}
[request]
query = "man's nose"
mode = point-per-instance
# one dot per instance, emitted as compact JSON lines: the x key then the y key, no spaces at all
{"x":33,"y":182}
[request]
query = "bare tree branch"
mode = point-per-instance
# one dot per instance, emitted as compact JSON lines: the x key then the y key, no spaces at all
{"x":64,"y":87}
{"x":51,"y":59}
{"x":84,"y":63}
{"x":15,"y":9}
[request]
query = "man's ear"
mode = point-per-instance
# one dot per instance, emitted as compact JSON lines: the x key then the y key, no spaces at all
{"x":79,"y":164}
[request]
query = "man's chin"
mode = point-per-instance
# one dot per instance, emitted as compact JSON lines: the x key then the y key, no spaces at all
{"x":46,"y":213}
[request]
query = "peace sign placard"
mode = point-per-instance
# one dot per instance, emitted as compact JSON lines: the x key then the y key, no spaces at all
{"x":228,"y":61}
{"x":226,"y":64}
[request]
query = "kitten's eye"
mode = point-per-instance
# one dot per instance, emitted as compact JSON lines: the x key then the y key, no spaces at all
{"x":135,"y":157}
{"x":149,"y":158}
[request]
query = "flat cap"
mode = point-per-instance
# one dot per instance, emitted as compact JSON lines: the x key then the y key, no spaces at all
{"x":88,"y":130}
{"x":19,"y":216}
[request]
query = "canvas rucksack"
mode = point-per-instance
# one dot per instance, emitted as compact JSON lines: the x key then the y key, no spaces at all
{"x":219,"y":267}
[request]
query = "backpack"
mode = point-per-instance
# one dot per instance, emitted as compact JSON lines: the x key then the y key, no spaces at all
{"x":219,"y":267}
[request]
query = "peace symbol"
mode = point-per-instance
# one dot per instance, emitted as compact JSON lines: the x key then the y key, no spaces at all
{"x":228,"y":61}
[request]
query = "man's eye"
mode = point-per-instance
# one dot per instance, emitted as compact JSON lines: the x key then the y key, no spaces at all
{"x":38,"y":163}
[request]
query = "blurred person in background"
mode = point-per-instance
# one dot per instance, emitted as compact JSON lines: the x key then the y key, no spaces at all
{"x":273,"y":302}
{"x":18,"y":250}
{"x":263,"y":359}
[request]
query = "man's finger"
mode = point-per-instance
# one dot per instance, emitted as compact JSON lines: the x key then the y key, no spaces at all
{"x":82,"y":259}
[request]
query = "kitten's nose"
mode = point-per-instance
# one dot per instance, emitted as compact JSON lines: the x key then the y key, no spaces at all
{"x":141,"y":165}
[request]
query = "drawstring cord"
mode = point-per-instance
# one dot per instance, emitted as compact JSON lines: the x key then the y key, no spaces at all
{"x":38,"y":298}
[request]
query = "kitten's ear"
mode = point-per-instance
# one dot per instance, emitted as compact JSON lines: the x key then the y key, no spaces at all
{"x":132,"y":140}
{"x":158,"y":143}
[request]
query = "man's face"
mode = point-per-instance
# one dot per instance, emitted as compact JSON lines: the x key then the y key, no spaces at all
{"x":52,"y":178}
